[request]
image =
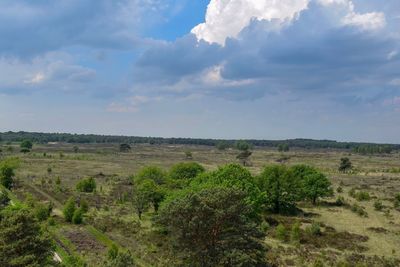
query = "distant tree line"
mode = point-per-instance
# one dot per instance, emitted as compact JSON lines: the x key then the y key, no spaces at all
{"x":220,"y":144}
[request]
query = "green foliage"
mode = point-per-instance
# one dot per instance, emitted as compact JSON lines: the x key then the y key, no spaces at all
{"x":243,"y":145}
{"x":152,"y":173}
{"x":222,"y":145}
{"x":340,"y":201}
{"x":7,"y":172}
{"x":314,"y":229}
{"x":25,"y":150}
{"x":77,"y":217}
{"x":281,"y":188}
{"x":339,"y":189}
{"x":149,"y":191}
{"x":345,"y":165}
{"x":186,"y":170}
{"x":373,"y":149}
{"x":281,"y":232}
{"x":236,"y":176}
{"x":113,"y":252}
{"x":243,"y":156}
{"x":362,"y":196}
{"x":188,"y":154}
{"x":87,"y":185}
{"x":212,"y":227}
{"x":314,"y":184}
{"x":27,"y":144}
{"x":75,"y":149}
{"x":396,"y":201}
{"x":359,"y":210}
{"x":83,"y":204}
{"x":121,"y":259}
{"x":378,"y":205}
{"x":4,"y":199}
{"x":283,"y":147}
{"x":22,"y":242}
{"x":49,"y":170}
{"x":141,"y":197}
{"x":124,"y":148}
{"x":69,"y":209}
{"x":295,"y":233}
{"x":42,"y":211}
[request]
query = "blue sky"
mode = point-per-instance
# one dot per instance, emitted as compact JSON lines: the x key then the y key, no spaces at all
{"x":324,"y":69}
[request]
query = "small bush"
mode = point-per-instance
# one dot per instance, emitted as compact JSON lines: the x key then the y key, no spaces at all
{"x":281,"y":232}
{"x":69,"y":209}
{"x":378,"y":205}
{"x":359,"y":210}
{"x":84,"y":206}
{"x":362,"y":196}
{"x":42,"y":211}
{"x":340,"y":201}
{"x":87,"y":185}
{"x":264,"y":226}
{"x":339,"y":189}
{"x":77,"y":218}
{"x":314,"y":229}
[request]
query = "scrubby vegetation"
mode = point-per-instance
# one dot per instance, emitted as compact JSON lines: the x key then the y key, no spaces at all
{"x":152,"y":206}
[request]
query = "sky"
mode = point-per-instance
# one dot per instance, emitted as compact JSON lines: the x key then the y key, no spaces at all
{"x":262,"y":69}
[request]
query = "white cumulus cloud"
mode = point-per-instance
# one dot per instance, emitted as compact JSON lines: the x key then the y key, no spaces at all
{"x":227,"y":18}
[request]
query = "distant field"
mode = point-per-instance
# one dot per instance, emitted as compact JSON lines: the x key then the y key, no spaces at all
{"x":112,"y":219}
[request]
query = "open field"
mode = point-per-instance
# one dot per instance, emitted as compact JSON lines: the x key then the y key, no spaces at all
{"x":373,"y":239}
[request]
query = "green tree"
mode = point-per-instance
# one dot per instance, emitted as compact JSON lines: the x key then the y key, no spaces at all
{"x":222,"y":145}
{"x":6,"y":176}
{"x":42,"y":211}
{"x":314,"y":184}
{"x":186,"y":170}
{"x":153,"y":173}
{"x":141,"y":199}
{"x":26,"y":144}
{"x":236,"y":176}
{"x":345,"y":165}
{"x":212,"y":227}
{"x":22,"y":242}
{"x":75,"y":149}
{"x":244,"y":156}
{"x":87,"y":185}
{"x":148,"y":189}
{"x":243,"y":145}
{"x":69,"y":209}
{"x":281,"y":187}
{"x":283,"y":147}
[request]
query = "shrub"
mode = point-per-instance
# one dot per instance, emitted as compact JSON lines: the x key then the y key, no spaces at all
{"x":4,"y":199}
{"x":69,"y":209}
{"x":84,"y":205}
{"x":281,"y":232}
{"x":6,"y":176}
{"x":397,"y":201}
{"x":362,"y":196}
{"x":340,"y":201}
{"x":345,"y":165}
{"x":186,"y":170}
{"x":25,"y":150}
{"x":26,"y":144}
{"x":359,"y":210}
{"x":153,"y":173}
{"x":339,"y":189}
{"x":43,"y":211}
{"x":77,"y":218}
{"x":87,"y":185}
{"x":314,"y":229}
{"x":378,"y":205}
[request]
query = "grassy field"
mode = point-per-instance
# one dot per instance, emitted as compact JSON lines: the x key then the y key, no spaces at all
{"x":374,"y":238}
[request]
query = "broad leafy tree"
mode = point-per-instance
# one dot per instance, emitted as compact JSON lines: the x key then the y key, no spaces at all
{"x":212,"y":227}
{"x":27,"y":144}
{"x":314,"y":184}
{"x":153,"y":173}
{"x":281,"y":188}
{"x":186,"y":170}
